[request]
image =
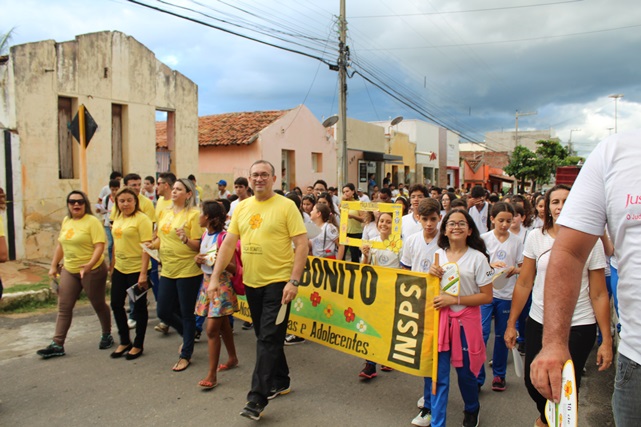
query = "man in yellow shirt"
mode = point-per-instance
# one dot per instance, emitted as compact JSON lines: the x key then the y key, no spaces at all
{"x":266,"y":225}
{"x":164,"y":184}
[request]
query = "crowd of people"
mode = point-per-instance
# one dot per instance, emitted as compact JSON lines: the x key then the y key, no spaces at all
{"x":259,"y":234}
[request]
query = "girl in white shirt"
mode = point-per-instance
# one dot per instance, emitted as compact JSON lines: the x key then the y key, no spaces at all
{"x":592,"y":308}
{"x":325,"y":245}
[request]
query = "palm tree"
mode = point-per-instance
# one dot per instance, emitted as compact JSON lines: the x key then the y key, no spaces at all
{"x":4,"y":41}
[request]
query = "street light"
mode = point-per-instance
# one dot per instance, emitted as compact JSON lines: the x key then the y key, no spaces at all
{"x":616,"y":97}
{"x":570,"y":140}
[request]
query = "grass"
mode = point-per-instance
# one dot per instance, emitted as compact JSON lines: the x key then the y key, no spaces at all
{"x":27,"y":287}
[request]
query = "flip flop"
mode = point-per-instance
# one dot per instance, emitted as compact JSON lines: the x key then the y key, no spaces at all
{"x":207,"y":385}
{"x":177,"y":368}
{"x":224,"y":367}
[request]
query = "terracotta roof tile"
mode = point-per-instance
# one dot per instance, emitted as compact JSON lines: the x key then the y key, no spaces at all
{"x":161,"y":134}
{"x":234,"y":128}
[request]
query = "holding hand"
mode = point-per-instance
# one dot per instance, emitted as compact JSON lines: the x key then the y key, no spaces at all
{"x":510,"y":336}
{"x":436,"y":270}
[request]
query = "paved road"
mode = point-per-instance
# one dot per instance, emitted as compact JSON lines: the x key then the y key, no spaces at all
{"x":86,"y":387}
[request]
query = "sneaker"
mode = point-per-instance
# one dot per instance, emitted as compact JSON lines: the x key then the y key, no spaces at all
{"x":521,"y":348}
{"x":293,"y":340}
{"x":161,"y":327}
{"x":278,"y":391}
{"x":498,"y":384}
{"x":52,"y":350}
{"x":252,"y":410}
{"x":386,"y":368}
{"x":197,"y":336}
{"x":369,"y":371}
{"x":106,"y":341}
{"x":131,"y":323}
{"x":471,"y":419}
{"x":247,"y":325}
{"x":423,"y":419}
{"x":421,"y":403}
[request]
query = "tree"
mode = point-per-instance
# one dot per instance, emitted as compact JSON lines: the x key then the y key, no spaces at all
{"x":550,"y":154}
{"x":523,"y":165}
{"x":4,"y":41}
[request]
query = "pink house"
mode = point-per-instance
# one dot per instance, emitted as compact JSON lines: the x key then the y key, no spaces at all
{"x":294,"y":141}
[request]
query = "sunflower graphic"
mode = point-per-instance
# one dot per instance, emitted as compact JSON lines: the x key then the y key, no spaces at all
{"x":393,"y":243}
{"x":117,"y":233}
{"x":567,"y":389}
{"x":69,"y":234}
{"x":255,"y":221}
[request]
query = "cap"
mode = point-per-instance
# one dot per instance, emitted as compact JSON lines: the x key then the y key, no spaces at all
{"x":222,"y":182}
{"x":360,"y":190}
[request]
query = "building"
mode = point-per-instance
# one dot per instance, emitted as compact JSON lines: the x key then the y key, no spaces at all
{"x":294,"y":141}
{"x":123,"y":86}
{"x":484,"y":167}
{"x":506,"y":140}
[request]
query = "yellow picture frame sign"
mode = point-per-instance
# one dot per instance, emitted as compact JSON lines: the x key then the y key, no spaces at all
{"x":393,"y":243}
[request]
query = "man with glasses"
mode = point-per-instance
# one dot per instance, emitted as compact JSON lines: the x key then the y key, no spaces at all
{"x":266,"y":225}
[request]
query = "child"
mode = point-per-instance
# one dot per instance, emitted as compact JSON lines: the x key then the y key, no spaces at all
{"x":506,"y":252}
{"x":459,"y":243}
{"x":384,"y":258}
{"x":325,"y":245}
{"x":369,"y":226}
{"x":220,"y":309}
{"x":518,"y":229}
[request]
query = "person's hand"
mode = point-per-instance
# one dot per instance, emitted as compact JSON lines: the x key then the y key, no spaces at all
{"x":213,"y":290}
{"x":498,"y":264}
{"x":509,"y":336}
{"x":143,"y":283}
{"x":200,"y":258}
{"x":180,"y":232}
{"x":604,"y":355}
{"x":444,"y":300}
{"x":546,"y":369}
{"x":53,"y":272}
{"x":289,"y":293}
{"x":436,"y":270}
{"x":512,"y":271}
{"x":84,"y":269}
{"x":365,"y":249}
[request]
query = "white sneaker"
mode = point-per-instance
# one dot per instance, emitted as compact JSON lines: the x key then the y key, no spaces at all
{"x":423,"y":419}
{"x":131,"y":323}
{"x":421,"y":403}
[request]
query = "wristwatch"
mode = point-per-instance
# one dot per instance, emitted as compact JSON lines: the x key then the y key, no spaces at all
{"x":294,"y":282}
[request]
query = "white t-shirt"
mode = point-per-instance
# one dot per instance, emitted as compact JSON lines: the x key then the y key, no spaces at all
{"x":104,"y":192}
{"x":324,"y":244}
{"x":474,"y":272}
{"x":383,"y":257}
{"x":209,"y":246}
{"x":364,"y":198}
{"x":409,"y":225}
{"x":609,"y":189}
{"x":480,"y":217}
{"x":510,"y":252}
{"x":521,"y":234}
{"x":417,"y":254}
{"x":370,"y":231}
{"x":232,"y":206}
{"x":537,"y":223}
{"x":538,"y":247}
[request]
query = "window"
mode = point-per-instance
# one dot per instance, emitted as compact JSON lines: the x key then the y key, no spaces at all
{"x":65,"y":140}
{"x":317,"y":162}
{"x":165,"y":141}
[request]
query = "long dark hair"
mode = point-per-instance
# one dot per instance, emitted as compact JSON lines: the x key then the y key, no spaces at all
{"x":530,"y":211}
{"x":87,"y":202}
{"x":474,"y":240}
{"x":548,"y":222}
{"x":127,"y":190}
{"x":499,"y":207}
{"x":330,"y":204}
{"x":215,"y":213}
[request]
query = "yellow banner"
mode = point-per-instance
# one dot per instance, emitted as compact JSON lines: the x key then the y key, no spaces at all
{"x":380,"y":314}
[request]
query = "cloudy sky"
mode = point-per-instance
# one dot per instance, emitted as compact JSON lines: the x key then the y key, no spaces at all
{"x":469,"y":64}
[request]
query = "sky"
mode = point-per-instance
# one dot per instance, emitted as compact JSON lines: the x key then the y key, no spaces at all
{"x":468,"y":64}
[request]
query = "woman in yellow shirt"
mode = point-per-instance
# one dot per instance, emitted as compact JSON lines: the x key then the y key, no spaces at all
{"x":178,"y":241}
{"x":131,"y":227}
{"x":81,"y":243}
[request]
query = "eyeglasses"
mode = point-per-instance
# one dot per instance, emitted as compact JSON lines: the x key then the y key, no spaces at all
{"x":80,"y":202}
{"x":460,"y":224}
{"x":263,"y":175}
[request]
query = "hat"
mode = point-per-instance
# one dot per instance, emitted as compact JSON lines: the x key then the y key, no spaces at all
{"x":360,"y":190}
{"x":222,"y":182}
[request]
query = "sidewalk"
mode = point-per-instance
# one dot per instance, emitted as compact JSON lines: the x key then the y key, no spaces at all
{"x":23,"y":272}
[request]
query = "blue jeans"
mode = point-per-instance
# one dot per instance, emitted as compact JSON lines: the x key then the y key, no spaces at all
{"x":271,"y":370}
{"x":614,"y":281}
{"x":153,"y":278}
{"x":626,"y":399}
{"x":520,"y":324}
{"x":500,"y":309}
{"x":175,"y":306}
{"x":110,"y":244}
{"x":466,"y":383}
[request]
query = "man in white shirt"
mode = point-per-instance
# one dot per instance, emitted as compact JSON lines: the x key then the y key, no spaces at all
{"x":478,"y":208}
{"x":223,"y":193}
{"x":105,"y":191}
{"x":606,"y":192}
{"x":411,"y":222}
{"x":241,"y":188}
{"x":362,"y":196}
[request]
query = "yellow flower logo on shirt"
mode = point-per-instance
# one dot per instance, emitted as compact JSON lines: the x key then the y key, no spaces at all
{"x":255,"y":221}
{"x":69,"y":234}
{"x":166,"y":227}
{"x":117,"y":233}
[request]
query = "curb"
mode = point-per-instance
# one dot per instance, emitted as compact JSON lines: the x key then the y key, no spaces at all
{"x":10,"y":299}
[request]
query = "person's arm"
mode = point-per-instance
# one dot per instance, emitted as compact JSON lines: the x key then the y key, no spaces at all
{"x":484,"y":297}
{"x":522,"y":290}
{"x":223,"y":257}
{"x":601,"y":304}
{"x":57,"y":257}
{"x":98,"y":250}
{"x":300,"y":256}
{"x":608,"y":247}
{"x":4,"y":253}
{"x":569,"y":254}
{"x":341,"y":251}
{"x":144,"y":263}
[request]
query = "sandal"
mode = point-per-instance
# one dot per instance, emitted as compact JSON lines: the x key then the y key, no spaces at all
{"x":181,"y":365}
{"x":207,"y":385}
{"x":224,"y":367}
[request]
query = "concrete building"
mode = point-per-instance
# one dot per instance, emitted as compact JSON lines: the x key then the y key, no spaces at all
{"x":506,"y":140}
{"x":484,"y":167}
{"x":123,"y":86}
{"x":294,"y":141}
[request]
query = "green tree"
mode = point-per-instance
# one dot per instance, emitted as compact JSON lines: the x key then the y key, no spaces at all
{"x":523,"y":165}
{"x":550,"y":155}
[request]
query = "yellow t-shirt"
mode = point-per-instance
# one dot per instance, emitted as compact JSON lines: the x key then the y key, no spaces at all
{"x":266,"y":229}
{"x":162,"y":204}
{"x":145,"y":205}
{"x":78,"y":238}
{"x":176,"y":257}
{"x":354,"y":226}
{"x":128,"y":234}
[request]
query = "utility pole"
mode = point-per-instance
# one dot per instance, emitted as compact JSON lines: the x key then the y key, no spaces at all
{"x":616,"y":97}
{"x":570,"y":149}
{"x":516,"y":133}
{"x":343,"y":51}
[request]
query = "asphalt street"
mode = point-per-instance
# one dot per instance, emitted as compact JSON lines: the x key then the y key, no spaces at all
{"x":87,"y":387}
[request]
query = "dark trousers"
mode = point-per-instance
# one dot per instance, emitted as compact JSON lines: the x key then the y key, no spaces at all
{"x":176,"y":304}
{"x":581,"y":342}
{"x":354,"y":251}
{"x":120,"y":282}
{"x":271,"y":369}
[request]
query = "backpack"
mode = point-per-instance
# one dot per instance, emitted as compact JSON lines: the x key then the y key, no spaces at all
{"x":237,"y":279}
